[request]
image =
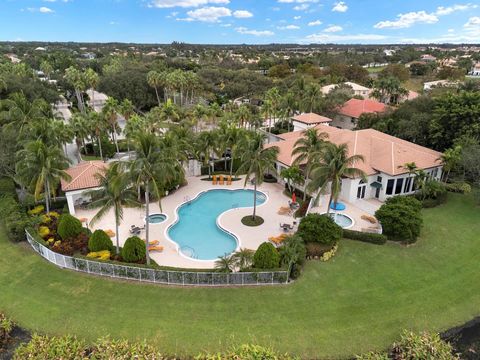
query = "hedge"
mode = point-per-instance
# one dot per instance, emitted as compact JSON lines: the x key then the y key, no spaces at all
{"x":372,"y":238}
{"x":7,"y":187}
{"x":319,"y":228}
{"x":14,"y":218}
{"x":459,"y":187}
{"x":69,"y":226}
{"x":100,"y":241}
{"x":266,"y":257}
{"x":134,"y":249}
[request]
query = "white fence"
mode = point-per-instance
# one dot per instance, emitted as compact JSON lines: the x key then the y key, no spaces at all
{"x":159,"y":276}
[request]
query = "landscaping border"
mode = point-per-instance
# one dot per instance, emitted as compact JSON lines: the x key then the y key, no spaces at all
{"x":158,"y":276}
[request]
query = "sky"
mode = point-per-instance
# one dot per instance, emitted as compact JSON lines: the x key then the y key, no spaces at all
{"x":241,"y":21}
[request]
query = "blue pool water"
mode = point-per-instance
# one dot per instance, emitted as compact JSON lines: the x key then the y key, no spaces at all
{"x":197,"y":232}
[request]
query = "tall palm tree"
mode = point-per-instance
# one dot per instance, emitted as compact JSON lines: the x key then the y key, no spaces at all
{"x":450,"y":158}
{"x":243,"y":258}
{"x":312,"y":97}
{"x":40,"y":168}
{"x":151,"y":170}
{"x":96,"y":124}
{"x":110,"y":112}
{"x":206,"y":142}
{"x":306,"y":149}
{"x":79,"y":125}
{"x":274,"y":98}
{"x":331,"y":167}
{"x":91,"y":79}
{"x":256,"y":161}
{"x":76,"y":79}
{"x":154,"y":80}
{"x":115,"y":191}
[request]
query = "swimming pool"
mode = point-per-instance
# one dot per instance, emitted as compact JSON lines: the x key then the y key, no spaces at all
{"x":342,"y":220}
{"x":196,"y":229}
{"x":156,"y":218}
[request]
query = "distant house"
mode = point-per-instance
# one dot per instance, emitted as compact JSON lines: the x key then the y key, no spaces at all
{"x":40,"y":49}
{"x":89,"y":56}
{"x":348,"y":115}
{"x":83,"y":179}
{"x":100,"y":99}
{"x":438,"y":83}
{"x":428,"y":58}
{"x":389,"y":52}
{"x":309,"y":120}
{"x":13,"y":58}
{"x":475,"y":70}
{"x":358,"y":90}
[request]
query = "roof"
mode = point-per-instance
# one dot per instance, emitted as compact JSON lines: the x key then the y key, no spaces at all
{"x":381,"y":152}
{"x":311,"y":118}
{"x":83,"y":175}
{"x":356,"y":107}
{"x":356,"y":87}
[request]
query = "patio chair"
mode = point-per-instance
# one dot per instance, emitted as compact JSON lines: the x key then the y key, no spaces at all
{"x":221,"y":181}
{"x":214,"y":180}
{"x":155,"y":248}
{"x":229,"y":180}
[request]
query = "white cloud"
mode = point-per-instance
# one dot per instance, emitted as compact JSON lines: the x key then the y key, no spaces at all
{"x":184,"y":3}
{"x":441,"y":10}
{"x":242,"y":14}
{"x":288,"y":27}
{"x":297,"y":1}
{"x":225,"y":25}
{"x":245,"y":31}
{"x":333,"y":28}
{"x":43,"y":10}
{"x":315,"y":23}
{"x":473,"y":22}
{"x":340,"y":7}
{"x":208,"y":14}
{"x":331,"y":38}
{"x":297,"y":17}
{"x":407,"y":20}
{"x":301,"y":7}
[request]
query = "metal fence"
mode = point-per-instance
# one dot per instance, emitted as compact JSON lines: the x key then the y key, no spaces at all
{"x":159,"y":276}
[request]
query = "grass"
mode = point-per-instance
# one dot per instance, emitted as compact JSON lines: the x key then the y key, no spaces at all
{"x":360,"y":300}
{"x":250,"y":221}
{"x":373,"y":70}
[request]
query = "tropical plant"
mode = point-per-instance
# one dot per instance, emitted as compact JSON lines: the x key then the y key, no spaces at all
{"x":243,"y":258}
{"x":293,"y":254}
{"x":91,"y":80}
{"x":330,"y":168}
{"x":256,"y":161}
{"x":154,"y":80}
{"x":388,"y":90}
{"x":319,"y":228}
{"x":293,"y":176}
{"x":225,"y":263}
{"x":76,"y":79}
{"x":100,"y":241}
{"x":40,"y":168}
{"x":110,"y":113}
{"x":266,"y":257}
{"x":450,"y":159}
{"x":134,"y":249}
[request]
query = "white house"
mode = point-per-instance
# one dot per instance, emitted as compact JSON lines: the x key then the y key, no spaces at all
{"x":83,"y":179}
{"x":358,"y":90}
{"x":308,"y":120}
{"x":438,"y":83}
{"x":475,"y":70}
{"x":384,"y":162}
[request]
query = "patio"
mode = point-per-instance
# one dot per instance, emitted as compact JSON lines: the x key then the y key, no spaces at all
{"x":248,"y":237}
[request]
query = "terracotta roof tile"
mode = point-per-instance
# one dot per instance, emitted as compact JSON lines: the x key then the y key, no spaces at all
{"x":355,"y":107}
{"x":311,"y":118}
{"x":83,"y":175}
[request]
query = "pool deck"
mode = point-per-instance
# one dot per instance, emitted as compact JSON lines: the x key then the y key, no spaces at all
{"x":249,"y":237}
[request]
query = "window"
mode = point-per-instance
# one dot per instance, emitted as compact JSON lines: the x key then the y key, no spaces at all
{"x":379,"y":179}
{"x":390,"y":184}
{"x":398,"y":187}
{"x":408,"y":183}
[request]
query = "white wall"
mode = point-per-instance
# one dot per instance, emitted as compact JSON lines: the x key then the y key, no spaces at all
{"x":344,"y":122}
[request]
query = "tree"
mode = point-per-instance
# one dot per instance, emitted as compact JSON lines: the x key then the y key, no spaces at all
{"x":76,"y":79}
{"x":266,"y":257}
{"x":256,"y":160}
{"x":243,"y":258}
{"x":151,"y":170}
{"x":46,"y":68}
{"x":388,"y":90}
{"x":206,"y":142}
{"x":293,"y":175}
{"x":316,"y":228}
{"x":91,"y":79}
{"x":398,"y":71}
{"x":225,"y":263}
{"x":40,"y":168}
{"x":306,"y":149}
{"x":331,"y":167}
{"x":79,"y":126}
{"x":312,"y":97}
{"x":115,"y":192}
{"x":400,"y":221}
{"x":154,"y":80}
{"x":110,"y":113}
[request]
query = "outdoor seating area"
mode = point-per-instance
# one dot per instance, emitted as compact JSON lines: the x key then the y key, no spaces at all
{"x":136,"y":230}
{"x":221,"y":179}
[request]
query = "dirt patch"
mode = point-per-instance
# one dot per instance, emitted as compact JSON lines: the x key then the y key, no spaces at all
{"x":17,"y":337}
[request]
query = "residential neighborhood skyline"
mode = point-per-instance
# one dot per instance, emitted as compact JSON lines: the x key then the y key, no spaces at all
{"x":236,"y":22}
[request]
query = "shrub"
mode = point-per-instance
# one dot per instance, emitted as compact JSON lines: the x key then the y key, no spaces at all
{"x":44,"y":347}
{"x":107,"y":349}
{"x":100,"y":241}
{"x":6,"y":327}
{"x":14,"y":218}
{"x":134,"y":249}
{"x":43,"y":231}
{"x":433,"y":194}
{"x":293,"y":253}
{"x":266,"y":257}
{"x":319,"y":228}
{"x":459,"y":187}
{"x":400,"y":221}
{"x":101,"y":255}
{"x":7,"y":187}
{"x":37,"y":210}
{"x":423,"y":346}
{"x":68,"y":226}
{"x":316,"y":249}
{"x":329,"y":254}
{"x":405,"y":200}
{"x":372,"y":238}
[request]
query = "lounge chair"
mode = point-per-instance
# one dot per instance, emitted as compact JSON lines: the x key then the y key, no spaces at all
{"x":221,"y":180}
{"x":286,"y":227}
{"x":214,"y":180}
{"x":229,"y":180}
{"x":277,"y":240}
{"x":155,"y":248}
{"x":152,"y":242}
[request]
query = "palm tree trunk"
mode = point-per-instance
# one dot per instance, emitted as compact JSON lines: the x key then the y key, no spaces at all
{"x":330,"y":202}
{"x":147,"y":222}
{"x":158,"y":97}
{"x":115,"y":139}
{"x":231,"y":162}
{"x":100,"y":147}
{"x":254,"y":200}
{"x":117,"y":237}
{"x":47,"y":196}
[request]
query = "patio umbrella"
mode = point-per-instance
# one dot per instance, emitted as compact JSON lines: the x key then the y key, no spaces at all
{"x":294,"y":198}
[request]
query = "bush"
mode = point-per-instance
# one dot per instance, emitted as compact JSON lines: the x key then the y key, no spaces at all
{"x":266,"y":257}
{"x":14,"y":218}
{"x":372,"y":238}
{"x":107,"y":349}
{"x":459,"y":187}
{"x":329,"y":254}
{"x":319,"y":228}
{"x":7,"y":187}
{"x":423,"y":346}
{"x":293,"y":253}
{"x":405,"y":200}
{"x":434,"y":202}
{"x":401,"y":221}
{"x":44,"y":347}
{"x":68,"y":226}
{"x":100,"y":241}
{"x":134,"y":249}
{"x":317,"y":249}
{"x":6,"y":327}
{"x":433,"y":194}
{"x":246,"y":352}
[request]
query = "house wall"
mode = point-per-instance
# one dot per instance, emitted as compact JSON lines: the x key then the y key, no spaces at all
{"x":344,"y":122}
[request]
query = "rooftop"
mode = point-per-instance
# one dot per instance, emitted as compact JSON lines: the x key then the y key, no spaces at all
{"x":83,"y":175}
{"x":356,"y":107}
{"x":311,"y":118}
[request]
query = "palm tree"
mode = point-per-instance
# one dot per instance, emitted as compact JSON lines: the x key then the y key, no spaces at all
{"x":154,"y":80}
{"x":234,"y":139}
{"x":76,"y":79}
{"x":450,"y":158}
{"x":40,"y":168}
{"x":46,"y":68}
{"x":91,"y":79}
{"x":256,"y":160}
{"x":389,"y":90}
{"x":79,"y":125}
{"x":312,"y":96}
{"x":110,"y":112}
{"x":97,"y":125}
{"x":306,"y":149}
{"x":243,"y":258}
{"x":206,"y":142}
{"x":225,"y":263}
{"x":114,"y":192}
{"x":331,"y":167}
{"x":151,"y":170}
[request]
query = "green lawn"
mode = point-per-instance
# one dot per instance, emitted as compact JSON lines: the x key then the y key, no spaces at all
{"x":359,"y":301}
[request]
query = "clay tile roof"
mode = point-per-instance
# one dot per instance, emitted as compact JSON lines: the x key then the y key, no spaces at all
{"x":83,"y":175}
{"x":381,"y":152}
{"x":356,"y":107}
{"x":311,"y":118}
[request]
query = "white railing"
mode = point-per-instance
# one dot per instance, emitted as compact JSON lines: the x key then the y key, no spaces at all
{"x":158,"y":276}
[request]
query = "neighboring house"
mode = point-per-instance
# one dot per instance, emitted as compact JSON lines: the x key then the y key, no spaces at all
{"x":409,"y":64}
{"x":83,"y":179}
{"x":428,"y":58}
{"x":385,"y":157}
{"x":448,"y":62}
{"x":100,"y":99}
{"x":389,"y":52}
{"x":475,"y":70}
{"x":308,"y":120}
{"x":13,"y":58}
{"x":438,"y":83}
{"x":347,"y":115}
{"x":358,"y":90}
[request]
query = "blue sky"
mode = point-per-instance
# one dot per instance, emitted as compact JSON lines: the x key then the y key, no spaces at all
{"x":241,"y":21}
